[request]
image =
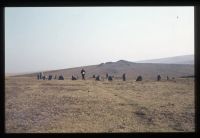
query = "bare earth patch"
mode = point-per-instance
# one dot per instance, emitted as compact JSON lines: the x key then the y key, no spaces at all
{"x":34,"y":106}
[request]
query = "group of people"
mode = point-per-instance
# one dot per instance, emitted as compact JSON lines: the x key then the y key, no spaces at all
{"x":41,"y":76}
{"x":83,"y":72}
{"x":139,"y":78}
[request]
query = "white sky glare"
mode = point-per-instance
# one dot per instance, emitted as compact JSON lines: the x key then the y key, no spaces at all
{"x":38,"y":38}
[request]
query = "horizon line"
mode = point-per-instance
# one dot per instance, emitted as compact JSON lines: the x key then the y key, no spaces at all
{"x":28,"y":72}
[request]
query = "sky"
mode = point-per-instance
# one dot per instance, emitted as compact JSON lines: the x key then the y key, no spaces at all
{"x":50,"y":38}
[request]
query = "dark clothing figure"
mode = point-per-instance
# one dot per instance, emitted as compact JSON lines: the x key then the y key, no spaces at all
{"x":106,"y":75}
{"x":167,"y":78}
{"x":74,"y":78}
{"x":158,"y":78}
{"x":139,"y":78}
{"x":110,"y":78}
{"x":93,"y":76}
{"x":124,"y":77}
{"x":61,"y":77}
{"x":43,"y":77}
{"x":98,"y":78}
{"x":38,"y":76}
{"x":50,"y":77}
{"x":83,"y":74}
{"x":55,"y":77}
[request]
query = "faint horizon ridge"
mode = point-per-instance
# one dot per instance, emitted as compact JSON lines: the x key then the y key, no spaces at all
{"x":132,"y":69}
{"x":184,"y":59}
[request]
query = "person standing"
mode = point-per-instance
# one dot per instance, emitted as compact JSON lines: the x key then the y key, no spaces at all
{"x":106,"y":75}
{"x":124,"y":77}
{"x":38,"y":76}
{"x":83,"y":74}
{"x":158,"y":77}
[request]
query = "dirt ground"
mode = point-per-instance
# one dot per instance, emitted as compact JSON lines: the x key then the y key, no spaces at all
{"x":57,"y":106}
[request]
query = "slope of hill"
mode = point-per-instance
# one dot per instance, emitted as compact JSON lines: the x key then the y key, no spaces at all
{"x":187,"y":59}
{"x":132,"y":70}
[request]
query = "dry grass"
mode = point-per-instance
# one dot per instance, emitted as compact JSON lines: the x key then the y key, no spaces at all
{"x":88,"y":106}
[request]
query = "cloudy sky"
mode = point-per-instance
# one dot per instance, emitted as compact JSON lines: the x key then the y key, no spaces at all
{"x":49,"y":38}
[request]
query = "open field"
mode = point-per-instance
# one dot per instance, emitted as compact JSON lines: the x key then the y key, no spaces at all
{"x":34,"y":106}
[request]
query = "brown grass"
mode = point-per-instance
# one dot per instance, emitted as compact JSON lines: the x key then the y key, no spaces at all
{"x":34,"y":106}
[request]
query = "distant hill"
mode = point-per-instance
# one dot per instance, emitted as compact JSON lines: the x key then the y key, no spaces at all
{"x":186,"y":59}
{"x":132,"y":70}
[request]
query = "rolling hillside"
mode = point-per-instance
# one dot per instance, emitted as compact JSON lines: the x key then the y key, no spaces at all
{"x":187,"y":59}
{"x":147,"y":70}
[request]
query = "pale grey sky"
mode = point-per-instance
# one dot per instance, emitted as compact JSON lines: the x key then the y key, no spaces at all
{"x":38,"y":38}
